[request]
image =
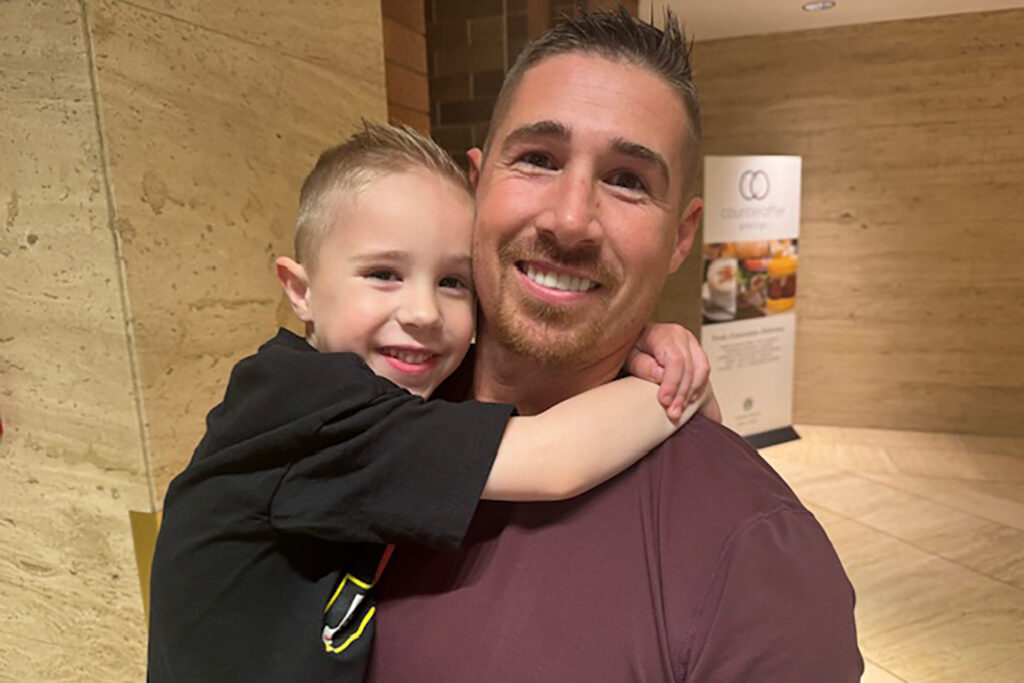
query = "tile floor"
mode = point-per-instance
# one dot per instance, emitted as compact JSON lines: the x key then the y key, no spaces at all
{"x":930,"y":528}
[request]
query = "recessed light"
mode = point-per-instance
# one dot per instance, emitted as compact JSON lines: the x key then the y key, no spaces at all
{"x":819,"y":5}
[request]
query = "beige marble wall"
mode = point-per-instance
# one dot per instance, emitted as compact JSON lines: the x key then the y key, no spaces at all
{"x":214,"y":113}
{"x":150,"y":157}
{"x":71,"y":458}
{"x":909,"y":312}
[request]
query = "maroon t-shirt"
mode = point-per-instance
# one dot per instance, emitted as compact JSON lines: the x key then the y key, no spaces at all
{"x":696,"y":564}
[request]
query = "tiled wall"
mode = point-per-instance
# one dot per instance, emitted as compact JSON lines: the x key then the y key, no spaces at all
{"x":405,"y":62}
{"x":150,"y":157}
{"x":469,"y":45}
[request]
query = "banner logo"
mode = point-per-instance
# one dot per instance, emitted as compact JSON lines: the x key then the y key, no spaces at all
{"x":754,"y":185}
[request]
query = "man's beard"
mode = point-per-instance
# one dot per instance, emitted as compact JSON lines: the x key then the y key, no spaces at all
{"x":546,"y":333}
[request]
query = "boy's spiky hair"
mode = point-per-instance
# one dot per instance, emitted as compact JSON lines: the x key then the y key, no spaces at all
{"x":619,"y":37}
{"x":347,"y":169}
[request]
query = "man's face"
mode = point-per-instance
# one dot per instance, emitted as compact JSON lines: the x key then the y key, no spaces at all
{"x":580,"y":214}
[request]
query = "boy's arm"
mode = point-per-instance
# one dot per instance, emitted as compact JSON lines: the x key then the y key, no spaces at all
{"x":590,"y":438}
{"x":581,"y":442}
{"x":372,"y":463}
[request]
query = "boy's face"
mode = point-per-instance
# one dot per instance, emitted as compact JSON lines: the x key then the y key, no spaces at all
{"x":393,"y":279}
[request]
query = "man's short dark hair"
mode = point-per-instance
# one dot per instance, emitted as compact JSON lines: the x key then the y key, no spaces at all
{"x":619,"y":37}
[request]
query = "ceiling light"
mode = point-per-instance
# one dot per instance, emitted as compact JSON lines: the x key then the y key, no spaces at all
{"x":819,"y":5}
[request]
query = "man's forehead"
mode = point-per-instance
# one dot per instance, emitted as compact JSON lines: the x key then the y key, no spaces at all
{"x":624,"y":104}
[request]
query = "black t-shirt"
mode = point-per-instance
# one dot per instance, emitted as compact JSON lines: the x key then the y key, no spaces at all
{"x":270,"y":538}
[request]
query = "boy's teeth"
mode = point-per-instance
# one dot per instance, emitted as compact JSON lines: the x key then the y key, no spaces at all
{"x":413,"y":357}
{"x":561,"y":281}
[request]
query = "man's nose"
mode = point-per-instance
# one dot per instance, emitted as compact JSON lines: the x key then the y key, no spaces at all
{"x":573,"y":221}
{"x":419,"y":308}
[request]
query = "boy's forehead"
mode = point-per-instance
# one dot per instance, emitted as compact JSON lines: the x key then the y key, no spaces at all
{"x":402,"y":207}
{"x":376,"y":186}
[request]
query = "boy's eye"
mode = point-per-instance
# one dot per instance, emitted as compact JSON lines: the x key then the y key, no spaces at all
{"x":383,"y":274}
{"x":537,"y":159}
{"x":453,"y":282}
{"x":627,"y":181}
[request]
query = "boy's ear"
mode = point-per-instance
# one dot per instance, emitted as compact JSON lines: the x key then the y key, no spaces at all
{"x":476,"y":160}
{"x":295,"y":283}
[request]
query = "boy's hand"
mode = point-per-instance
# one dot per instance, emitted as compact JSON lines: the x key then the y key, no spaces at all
{"x":668,"y":355}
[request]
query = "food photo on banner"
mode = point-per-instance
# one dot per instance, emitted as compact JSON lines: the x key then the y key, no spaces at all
{"x":748,"y":279}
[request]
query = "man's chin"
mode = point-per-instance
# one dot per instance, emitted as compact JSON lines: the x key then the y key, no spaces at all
{"x":550,"y":340}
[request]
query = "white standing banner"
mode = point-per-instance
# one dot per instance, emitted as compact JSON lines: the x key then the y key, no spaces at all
{"x":751,"y":229}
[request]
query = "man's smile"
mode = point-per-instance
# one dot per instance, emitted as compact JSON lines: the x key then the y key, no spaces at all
{"x":551,"y":277}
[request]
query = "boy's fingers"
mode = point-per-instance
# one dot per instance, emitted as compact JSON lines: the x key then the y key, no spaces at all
{"x":701,"y":371}
{"x":676,"y":411}
{"x":687,"y":385}
{"x":673,"y":362}
{"x":645,"y":367}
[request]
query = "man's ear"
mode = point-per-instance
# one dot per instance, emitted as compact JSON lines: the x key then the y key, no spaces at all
{"x":476,"y":165}
{"x":686,"y":232}
{"x":295,"y":284}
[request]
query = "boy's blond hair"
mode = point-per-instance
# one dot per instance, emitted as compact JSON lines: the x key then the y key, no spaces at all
{"x":345,"y":170}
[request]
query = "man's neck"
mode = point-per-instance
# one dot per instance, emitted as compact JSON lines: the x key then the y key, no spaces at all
{"x":501,"y":376}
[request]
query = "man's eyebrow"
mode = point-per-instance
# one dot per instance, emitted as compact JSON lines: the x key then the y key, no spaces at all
{"x":547,"y":129}
{"x":646,"y":154}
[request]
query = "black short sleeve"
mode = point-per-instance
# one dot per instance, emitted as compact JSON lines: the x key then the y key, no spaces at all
{"x":399,"y":469}
{"x":361,"y":459}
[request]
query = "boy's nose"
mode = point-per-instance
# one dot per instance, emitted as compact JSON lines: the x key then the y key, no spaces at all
{"x":420,"y":310}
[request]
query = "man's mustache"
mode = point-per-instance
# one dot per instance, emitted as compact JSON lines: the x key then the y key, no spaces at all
{"x":585,"y":260}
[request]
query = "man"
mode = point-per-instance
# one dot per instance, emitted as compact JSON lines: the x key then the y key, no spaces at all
{"x":697,"y":564}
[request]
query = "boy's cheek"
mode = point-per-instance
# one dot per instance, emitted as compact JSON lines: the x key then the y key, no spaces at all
{"x":462,"y":324}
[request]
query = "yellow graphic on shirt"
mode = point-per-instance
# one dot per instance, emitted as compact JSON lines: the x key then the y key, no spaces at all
{"x":344,"y":611}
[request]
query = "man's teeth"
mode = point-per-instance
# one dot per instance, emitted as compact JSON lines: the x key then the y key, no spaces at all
{"x":566,"y":283}
{"x":412,"y":357}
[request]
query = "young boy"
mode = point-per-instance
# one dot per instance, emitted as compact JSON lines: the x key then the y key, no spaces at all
{"x":274,"y":535}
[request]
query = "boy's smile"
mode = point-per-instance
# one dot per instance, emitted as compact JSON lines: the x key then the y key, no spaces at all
{"x":408,"y":360}
{"x":393,"y":281}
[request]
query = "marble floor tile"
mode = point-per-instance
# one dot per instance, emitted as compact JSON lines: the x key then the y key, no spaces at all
{"x":876,"y":674}
{"x":935,"y":549}
{"x":1000,"y":503}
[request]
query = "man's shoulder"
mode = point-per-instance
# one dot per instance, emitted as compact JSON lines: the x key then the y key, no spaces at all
{"x":709,"y":466}
{"x":756,"y":566}
{"x":709,"y":489}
